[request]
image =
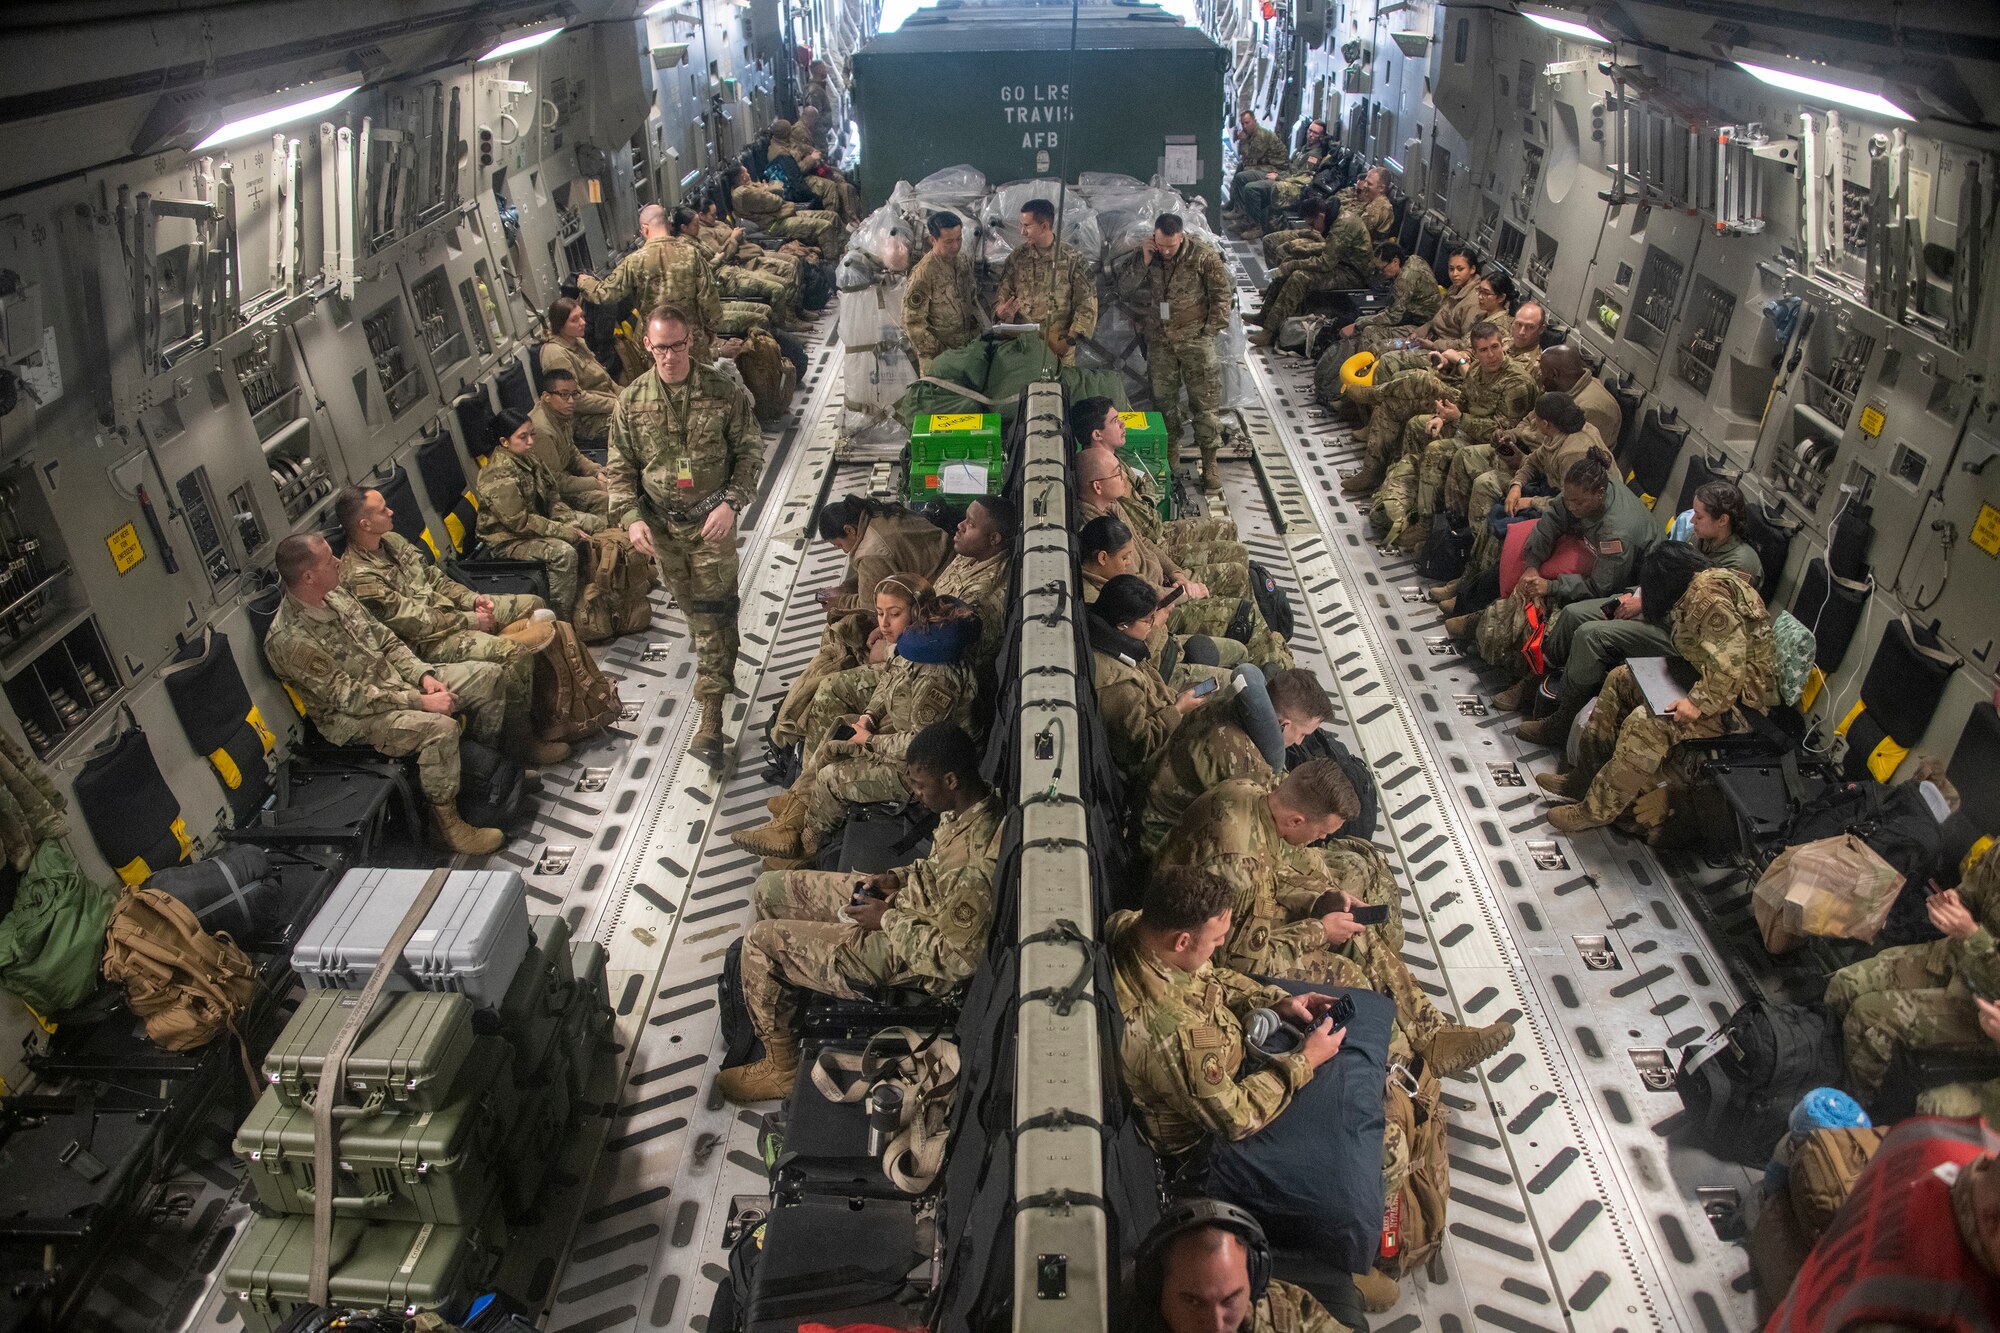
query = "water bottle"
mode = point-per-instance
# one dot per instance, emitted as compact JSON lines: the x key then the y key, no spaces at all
{"x":885,"y":1116}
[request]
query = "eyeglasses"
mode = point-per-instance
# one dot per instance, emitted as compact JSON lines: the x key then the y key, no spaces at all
{"x":669,"y":349}
{"x":571,"y":394}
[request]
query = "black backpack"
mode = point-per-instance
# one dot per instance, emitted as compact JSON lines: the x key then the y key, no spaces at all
{"x":1272,"y":603}
{"x":1740,"y":1084}
{"x":739,"y":1038}
{"x":1893,"y":821}
{"x":1445,"y":550}
{"x":1323,"y":745}
{"x":816,"y":282}
{"x":492,"y":789}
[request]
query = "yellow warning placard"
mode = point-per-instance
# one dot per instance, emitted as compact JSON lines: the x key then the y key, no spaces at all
{"x":958,"y":421}
{"x":1133,"y":420}
{"x":125,"y":549}
{"x":1986,"y":530}
{"x":1872,"y":421}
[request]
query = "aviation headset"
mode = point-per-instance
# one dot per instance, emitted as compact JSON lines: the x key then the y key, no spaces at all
{"x":1192,"y":1215}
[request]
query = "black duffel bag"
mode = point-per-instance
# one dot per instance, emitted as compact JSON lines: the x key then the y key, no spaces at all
{"x":234,"y":890}
{"x":492,"y":789}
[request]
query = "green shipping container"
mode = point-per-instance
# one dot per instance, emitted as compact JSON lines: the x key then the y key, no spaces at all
{"x":955,"y":456}
{"x":997,"y":88}
{"x":531,"y":1013}
{"x":551,"y":933}
{"x":408,"y":1266}
{"x":425,"y":1166}
{"x":1146,"y":447}
{"x":408,"y":1059}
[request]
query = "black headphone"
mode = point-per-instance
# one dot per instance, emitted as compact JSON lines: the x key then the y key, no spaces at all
{"x":1192,"y":1215}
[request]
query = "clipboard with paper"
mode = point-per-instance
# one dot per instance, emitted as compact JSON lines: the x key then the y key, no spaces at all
{"x":1664,"y":681}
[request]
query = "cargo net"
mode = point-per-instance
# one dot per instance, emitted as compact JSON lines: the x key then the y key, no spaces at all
{"x":1106,"y":217}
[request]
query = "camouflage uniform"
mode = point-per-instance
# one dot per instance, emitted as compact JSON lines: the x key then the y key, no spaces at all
{"x":1343,"y":263}
{"x":1260,"y":153}
{"x":1289,"y":1309}
{"x":1260,"y":198}
{"x":982,"y":585}
{"x":675,"y":447}
{"x":1378,"y":214}
{"x":1457,"y":311}
{"x":600,"y":391}
{"x":1223,"y":566}
{"x":1291,"y":243}
{"x":764,"y":207}
{"x":737,"y":276}
{"x":908,"y":696}
{"x":523,"y":515}
{"x":1195,"y":290}
{"x":1720,"y":626}
{"x":940,"y":307}
{"x":579,"y":481}
{"x":666,"y":270}
{"x":932,"y":935}
{"x":1055,"y":290}
{"x":1486,"y":401}
{"x":896,"y":542}
{"x":360,"y":684}
{"x":1920,"y":995}
{"x":1141,"y":512}
{"x":1229,"y":832}
{"x":1136,"y":707}
{"x":1207,"y":749}
{"x":1413,"y":298}
{"x":1584,"y":643}
{"x":434,"y":615}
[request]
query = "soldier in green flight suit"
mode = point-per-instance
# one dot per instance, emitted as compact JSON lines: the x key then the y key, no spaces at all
{"x":685,"y":459}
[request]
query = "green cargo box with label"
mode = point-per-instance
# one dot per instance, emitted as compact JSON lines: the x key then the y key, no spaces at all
{"x":1146,"y":446}
{"x":424,"y":1166}
{"x":955,"y":456}
{"x":408,"y":1058}
{"x":407,"y":1266}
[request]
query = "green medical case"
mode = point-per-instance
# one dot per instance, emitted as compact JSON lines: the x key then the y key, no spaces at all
{"x":407,"y":1266}
{"x":1146,"y":446}
{"x":551,"y":933}
{"x":426,"y":1166}
{"x":587,"y":1023}
{"x":409,"y":1058}
{"x":531,"y":1014}
{"x":535,"y":1142}
{"x":955,"y":456}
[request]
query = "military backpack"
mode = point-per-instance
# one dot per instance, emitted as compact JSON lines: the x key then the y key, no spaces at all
{"x":573,"y":699}
{"x":1413,"y":1221}
{"x":617,"y":588}
{"x":186,"y":985}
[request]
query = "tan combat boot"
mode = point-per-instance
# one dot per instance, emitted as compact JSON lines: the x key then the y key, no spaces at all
{"x":1378,"y":1290}
{"x":1211,"y":474}
{"x":1515,"y":697}
{"x":1415,"y":535}
{"x":707,"y":744}
{"x":1461,"y":627}
{"x":1457,"y":1047}
{"x":769,"y":1080}
{"x":780,"y":835}
{"x":1568,"y":786}
{"x":1366,"y":479}
{"x":1442,"y":592}
{"x":1575,"y":819}
{"x":461,"y":837}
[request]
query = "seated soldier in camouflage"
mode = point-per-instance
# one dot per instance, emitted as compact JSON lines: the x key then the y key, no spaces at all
{"x":941,"y":303}
{"x":522,"y":513}
{"x":1346,"y":261}
{"x":737,"y":278}
{"x":927,"y":683}
{"x":441,"y":619}
{"x":1223,"y":568}
{"x":1199,"y":1279}
{"x":360,"y":685}
{"x":901,"y":600}
{"x":1924,"y":997}
{"x":1720,"y":627}
{"x":978,"y":574}
{"x":1970,"y":1099}
{"x":1137,"y":709}
{"x":1098,"y":423}
{"x":839,"y":934}
{"x":1493,"y":298}
{"x":564,"y":349}
{"x":878,"y":540}
{"x":1458,"y":310}
{"x":1293,"y":919}
{"x":1469,"y":399}
{"x":1234,"y":626}
{"x":579,"y":481}
{"x":1414,"y":296}
{"x":765,"y":207}
{"x":1586,"y":639}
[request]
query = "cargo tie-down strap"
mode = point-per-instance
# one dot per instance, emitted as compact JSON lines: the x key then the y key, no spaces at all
{"x":928,"y":1078}
{"x":333,"y":1076}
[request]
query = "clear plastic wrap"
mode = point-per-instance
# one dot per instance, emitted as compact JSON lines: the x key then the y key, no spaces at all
{"x":1000,"y":214}
{"x":872,"y":381}
{"x":872,"y":316}
{"x":885,"y":235}
{"x":1238,"y":390}
{"x":1117,"y":346}
{"x":960,"y":185}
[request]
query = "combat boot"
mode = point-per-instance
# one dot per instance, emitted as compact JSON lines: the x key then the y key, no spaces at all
{"x":1553,"y":729}
{"x":1574,"y":819}
{"x":1211,"y":474}
{"x":524,"y":748}
{"x":1457,"y":1047}
{"x":461,"y":837}
{"x":779,"y":836}
{"x":1565,"y":786}
{"x":1365,"y":479}
{"x":707,"y":744}
{"x":769,"y":1080}
{"x":1379,"y":1291}
{"x":1443,"y":592}
{"x":1515,"y":697}
{"x":1461,"y":627}
{"x":1416,"y":535}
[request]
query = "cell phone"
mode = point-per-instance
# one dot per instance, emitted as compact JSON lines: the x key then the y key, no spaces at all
{"x":1611,"y":608}
{"x":1342,"y":1012}
{"x":1206,"y":688}
{"x":843,"y":732}
{"x":1172,"y":594}
{"x":1369,"y":914}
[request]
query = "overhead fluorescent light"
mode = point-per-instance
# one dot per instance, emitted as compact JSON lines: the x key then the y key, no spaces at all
{"x":1861,"y":99}
{"x":1569,"y":28}
{"x":513,"y":46}
{"x":248,"y":119}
